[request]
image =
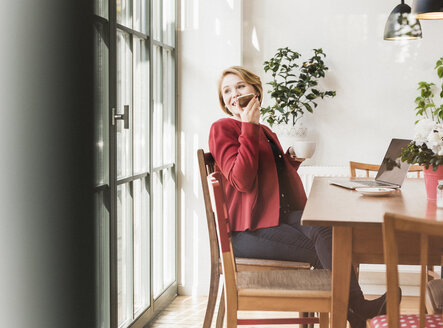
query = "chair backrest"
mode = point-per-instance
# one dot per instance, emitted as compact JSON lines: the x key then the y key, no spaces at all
{"x":206,"y":166}
{"x":362,"y":166}
{"x":218,"y":201}
{"x":353,"y":166}
{"x":399,"y":226}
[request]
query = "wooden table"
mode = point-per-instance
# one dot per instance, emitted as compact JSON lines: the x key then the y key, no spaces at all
{"x":356,"y":222}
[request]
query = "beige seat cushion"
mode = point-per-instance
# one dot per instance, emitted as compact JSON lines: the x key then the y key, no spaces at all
{"x":298,"y":280}
{"x":435,"y":294}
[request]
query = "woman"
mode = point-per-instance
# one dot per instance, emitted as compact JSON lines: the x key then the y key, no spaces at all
{"x":264,"y":192}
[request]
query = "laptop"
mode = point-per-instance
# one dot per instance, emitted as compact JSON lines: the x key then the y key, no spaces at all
{"x":392,"y":170}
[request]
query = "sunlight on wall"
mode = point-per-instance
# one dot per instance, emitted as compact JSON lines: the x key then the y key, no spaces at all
{"x":195,"y":16}
{"x":182,"y":237}
{"x":217,"y":26}
{"x":182,"y":152}
{"x":254,"y":39}
{"x":406,"y":51}
{"x":195,"y":173}
{"x":189,"y":15}
{"x":195,"y":248}
{"x":204,"y":53}
{"x":195,"y":222}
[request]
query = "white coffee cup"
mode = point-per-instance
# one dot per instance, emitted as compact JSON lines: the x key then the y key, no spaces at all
{"x":304,"y":149}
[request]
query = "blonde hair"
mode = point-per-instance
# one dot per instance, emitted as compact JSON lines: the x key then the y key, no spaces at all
{"x":246,"y":76}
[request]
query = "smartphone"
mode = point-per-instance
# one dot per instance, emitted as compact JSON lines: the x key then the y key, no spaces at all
{"x":244,"y":100}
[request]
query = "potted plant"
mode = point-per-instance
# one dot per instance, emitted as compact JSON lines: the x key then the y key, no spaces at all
{"x":294,"y":88}
{"x":427,"y":146}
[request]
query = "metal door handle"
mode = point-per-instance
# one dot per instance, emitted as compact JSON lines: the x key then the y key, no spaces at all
{"x":124,"y":116}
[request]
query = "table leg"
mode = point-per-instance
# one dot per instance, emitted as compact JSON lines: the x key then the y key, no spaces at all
{"x":341,"y":274}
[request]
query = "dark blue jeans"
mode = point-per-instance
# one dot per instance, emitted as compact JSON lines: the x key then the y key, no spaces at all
{"x":291,"y":241}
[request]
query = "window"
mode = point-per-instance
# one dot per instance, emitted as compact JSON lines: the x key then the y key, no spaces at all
{"x":135,"y":134}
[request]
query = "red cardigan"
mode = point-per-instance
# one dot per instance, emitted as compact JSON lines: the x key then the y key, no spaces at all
{"x":244,"y":156}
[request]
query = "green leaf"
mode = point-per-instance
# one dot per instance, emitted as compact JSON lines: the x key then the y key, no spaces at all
{"x":308,"y":107}
{"x":440,"y":72}
{"x":311,"y":96}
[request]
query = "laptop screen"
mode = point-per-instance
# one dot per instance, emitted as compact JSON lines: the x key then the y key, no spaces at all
{"x":392,"y":169}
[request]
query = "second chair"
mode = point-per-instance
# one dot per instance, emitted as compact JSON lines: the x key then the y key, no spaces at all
{"x":353,"y":166}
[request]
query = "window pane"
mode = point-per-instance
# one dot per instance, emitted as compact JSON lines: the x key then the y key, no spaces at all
{"x":157,"y":142}
{"x":168,"y":108}
{"x":124,"y":12}
{"x":124,"y":97}
{"x":124,"y":253}
{"x":141,"y":106}
{"x":101,"y":8}
{"x":168,"y":24}
{"x":169,"y":228}
{"x":141,"y":247}
{"x":157,"y":234}
{"x":141,"y":14}
{"x":156,"y":20}
{"x":102,"y":261}
{"x":101,"y":105}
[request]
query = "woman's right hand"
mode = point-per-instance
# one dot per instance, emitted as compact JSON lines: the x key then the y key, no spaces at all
{"x":250,"y":113}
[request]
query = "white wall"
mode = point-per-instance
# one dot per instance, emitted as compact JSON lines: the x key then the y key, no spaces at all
{"x":209,"y":40}
{"x":375,"y":81}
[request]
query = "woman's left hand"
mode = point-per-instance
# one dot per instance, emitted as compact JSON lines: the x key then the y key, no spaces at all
{"x":294,"y":155}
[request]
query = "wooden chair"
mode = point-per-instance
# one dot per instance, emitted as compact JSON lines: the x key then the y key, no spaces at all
{"x":353,"y":166}
{"x":206,"y":165}
{"x":271,"y":290}
{"x":400,"y":226}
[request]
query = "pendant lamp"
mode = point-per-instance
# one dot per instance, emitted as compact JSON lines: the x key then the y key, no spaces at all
{"x":428,"y":9}
{"x":402,"y":25}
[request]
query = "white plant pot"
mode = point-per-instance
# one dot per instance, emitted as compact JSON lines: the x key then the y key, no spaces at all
{"x":297,"y":132}
{"x":304,"y":148}
{"x":296,"y":137}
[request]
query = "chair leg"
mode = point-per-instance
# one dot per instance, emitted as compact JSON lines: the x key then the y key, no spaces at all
{"x":231,"y":316}
{"x":303,"y":315}
{"x":306,"y":315}
{"x":324,"y":320}
{"x":312,"y":314}
{"x":221,"y":310}
{"x":212,"y":298}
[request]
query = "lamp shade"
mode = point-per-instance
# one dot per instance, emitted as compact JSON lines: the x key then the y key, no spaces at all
{"x":402,"y":25}
{"x":428,"y":9}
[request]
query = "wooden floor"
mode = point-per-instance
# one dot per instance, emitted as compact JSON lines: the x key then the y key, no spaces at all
{"x":188,"y":312}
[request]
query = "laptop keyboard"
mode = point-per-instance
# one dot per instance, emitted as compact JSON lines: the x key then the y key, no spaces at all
{"x":372,"y":183}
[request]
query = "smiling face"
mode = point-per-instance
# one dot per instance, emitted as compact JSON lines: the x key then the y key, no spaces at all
{"x":233,"y":86}
{"x":229,"y":79}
